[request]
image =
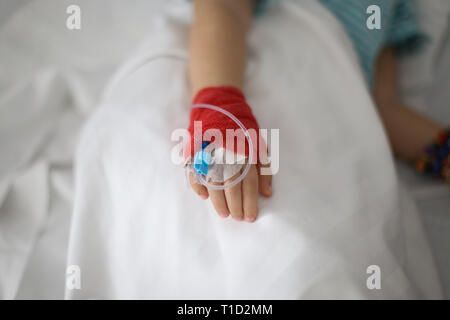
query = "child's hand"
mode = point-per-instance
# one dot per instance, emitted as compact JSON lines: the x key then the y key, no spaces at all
{"x":216,"y":73}
{"x":241,"y":200}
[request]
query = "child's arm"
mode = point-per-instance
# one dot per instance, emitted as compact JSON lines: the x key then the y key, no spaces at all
{"x":217,"y":47}
{"x":408,"y":131}
{"x":217,"y":57}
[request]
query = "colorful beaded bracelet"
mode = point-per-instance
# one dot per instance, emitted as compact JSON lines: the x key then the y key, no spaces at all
{"x":435,"y":160}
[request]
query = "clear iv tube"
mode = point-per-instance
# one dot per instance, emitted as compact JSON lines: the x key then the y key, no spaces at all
{"x":250,"y":146}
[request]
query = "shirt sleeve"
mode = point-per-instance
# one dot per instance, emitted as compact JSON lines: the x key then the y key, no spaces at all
{"x":261,"y":6}
{"x":404,"y":33}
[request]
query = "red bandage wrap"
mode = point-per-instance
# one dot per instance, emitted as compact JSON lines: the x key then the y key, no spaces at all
{"x":232,"y":100}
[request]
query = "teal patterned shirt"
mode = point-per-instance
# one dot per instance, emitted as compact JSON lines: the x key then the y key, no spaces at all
{"x":399,"y":28}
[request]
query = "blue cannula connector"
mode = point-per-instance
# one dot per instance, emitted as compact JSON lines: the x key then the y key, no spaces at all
{"x":205,"y":144}
{"x":202,"y":160}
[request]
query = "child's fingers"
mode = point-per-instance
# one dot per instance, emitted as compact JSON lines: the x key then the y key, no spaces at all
{"x":218,"y":200}
{"x":233,"y":196}
{"x":197,"y":187}
{"x":250,"y":195}
{"x":265,"y":185}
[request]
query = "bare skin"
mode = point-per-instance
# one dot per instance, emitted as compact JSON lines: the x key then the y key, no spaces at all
{"x":408,"y":131}
{"x":217,"y":50}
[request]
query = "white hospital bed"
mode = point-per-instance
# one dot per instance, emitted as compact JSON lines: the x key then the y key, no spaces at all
{"x":36,"y":175}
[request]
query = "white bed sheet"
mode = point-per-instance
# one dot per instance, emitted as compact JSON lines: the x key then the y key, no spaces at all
{"x":61,"y":51}
{"x":138,"y":233}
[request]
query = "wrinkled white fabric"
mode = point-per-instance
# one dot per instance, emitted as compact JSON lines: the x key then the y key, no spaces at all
{"x":50,"y":81}
{"x":139,"y":232}
{"x":43,"y":64}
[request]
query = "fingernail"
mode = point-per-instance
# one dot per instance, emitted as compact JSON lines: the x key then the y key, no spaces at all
{"x":204,"y":196}
{"x":250,"y":219}
{"x":224,"y":214}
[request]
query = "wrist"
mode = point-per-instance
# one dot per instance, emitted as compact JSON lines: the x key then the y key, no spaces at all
{"x":435,"y":158}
